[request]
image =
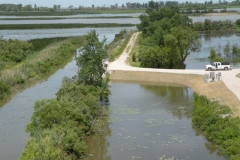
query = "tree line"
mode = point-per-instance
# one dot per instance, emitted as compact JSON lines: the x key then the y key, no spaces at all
{"x":167,"y":38}
{"x":186,"y":7}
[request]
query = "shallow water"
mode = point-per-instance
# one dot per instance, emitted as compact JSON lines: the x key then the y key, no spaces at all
{"x":51,"y":33}
{"x":16,"y":114}
{"x":150,"y":121}
{"x":218,"y":41}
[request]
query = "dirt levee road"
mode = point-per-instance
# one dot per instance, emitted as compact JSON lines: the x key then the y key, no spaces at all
{"x":226,"y":91}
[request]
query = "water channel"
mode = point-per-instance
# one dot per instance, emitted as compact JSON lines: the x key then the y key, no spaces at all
{"x":149,"y":121}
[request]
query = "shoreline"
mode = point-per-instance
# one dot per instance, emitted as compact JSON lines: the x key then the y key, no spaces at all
{"x":226,"y":91}
{"x":221,"y":14}
{"x":214,"y":91}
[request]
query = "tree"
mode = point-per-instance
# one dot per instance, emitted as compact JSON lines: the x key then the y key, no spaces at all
{"x":35,"y":7}
{"x":55,"y":7}
{"x":187,"y":40}
{"x":70,"y":7}
{"x":91,"y":62}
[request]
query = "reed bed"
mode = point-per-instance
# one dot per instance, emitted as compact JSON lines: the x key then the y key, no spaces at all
{"x":38,"y":64}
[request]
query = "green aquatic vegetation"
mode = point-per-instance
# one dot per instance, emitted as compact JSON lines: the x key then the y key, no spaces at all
{"x":159,"y":122}
{"x":126,"y":111}
{"x":224,"y":131}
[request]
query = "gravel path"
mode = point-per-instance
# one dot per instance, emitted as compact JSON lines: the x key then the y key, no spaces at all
{"x":119,"y":66}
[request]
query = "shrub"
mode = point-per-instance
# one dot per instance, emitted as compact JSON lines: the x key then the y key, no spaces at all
{"x":224,"y":132}
{"x":4,"y":90}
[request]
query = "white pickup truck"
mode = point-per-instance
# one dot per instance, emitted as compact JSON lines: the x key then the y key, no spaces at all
{"x":218,"y":66}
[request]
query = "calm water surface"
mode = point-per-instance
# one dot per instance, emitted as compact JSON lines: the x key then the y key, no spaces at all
{"x":150,"y":121}
{"x":198,"y":60}
{"x":51,"y":33}
{"x":16,"y":114}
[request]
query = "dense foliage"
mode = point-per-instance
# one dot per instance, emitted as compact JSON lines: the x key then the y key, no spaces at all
{"x":59,"y":126}
{"x":167,"y":39}
{"x":209,"y":25}
{"x":40,"y":44}
{"x":91,"y":62}
{"x":229,"y":53}
{"x":14,"y":75}
{"x":217,"y":125}
{"x":14,"y":50}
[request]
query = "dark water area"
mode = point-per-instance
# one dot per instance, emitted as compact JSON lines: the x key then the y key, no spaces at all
{"x":150,"y":121}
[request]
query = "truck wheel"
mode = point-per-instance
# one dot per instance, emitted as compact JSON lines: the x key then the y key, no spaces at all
{"x":225,"y":68}
{"x":209,"y":69}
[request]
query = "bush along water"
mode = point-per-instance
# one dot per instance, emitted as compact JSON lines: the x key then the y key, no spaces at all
{"x":230,"y":53}
{"x":59,"y":126}
{"x":30,"y":65}
{"x":218,"y":125}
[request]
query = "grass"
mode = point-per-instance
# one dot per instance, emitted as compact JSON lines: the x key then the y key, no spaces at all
{"x":40,"y":44}
{"x":40,"y":64}
{"x":61,"y":26}
{"x":116,"y":52}
{"x":135,"y":50}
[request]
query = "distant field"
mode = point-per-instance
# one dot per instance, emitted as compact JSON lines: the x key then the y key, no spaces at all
{"x":52,"y":18}
{"x":73,"y":12}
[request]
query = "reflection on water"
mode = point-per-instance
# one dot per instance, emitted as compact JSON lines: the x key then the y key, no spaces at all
{"x":229,"y":17}
{"x":150,"y":121}
{"x":16,"y":114}
{"x":218,"y":41}
{"x":51,"y":33}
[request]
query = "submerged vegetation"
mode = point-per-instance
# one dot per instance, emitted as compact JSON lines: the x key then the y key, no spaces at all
{"x":218,"y":125}
{"x":230,"y":53}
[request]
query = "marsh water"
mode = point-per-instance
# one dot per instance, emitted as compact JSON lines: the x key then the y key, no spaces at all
{"x":150,"y":121}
